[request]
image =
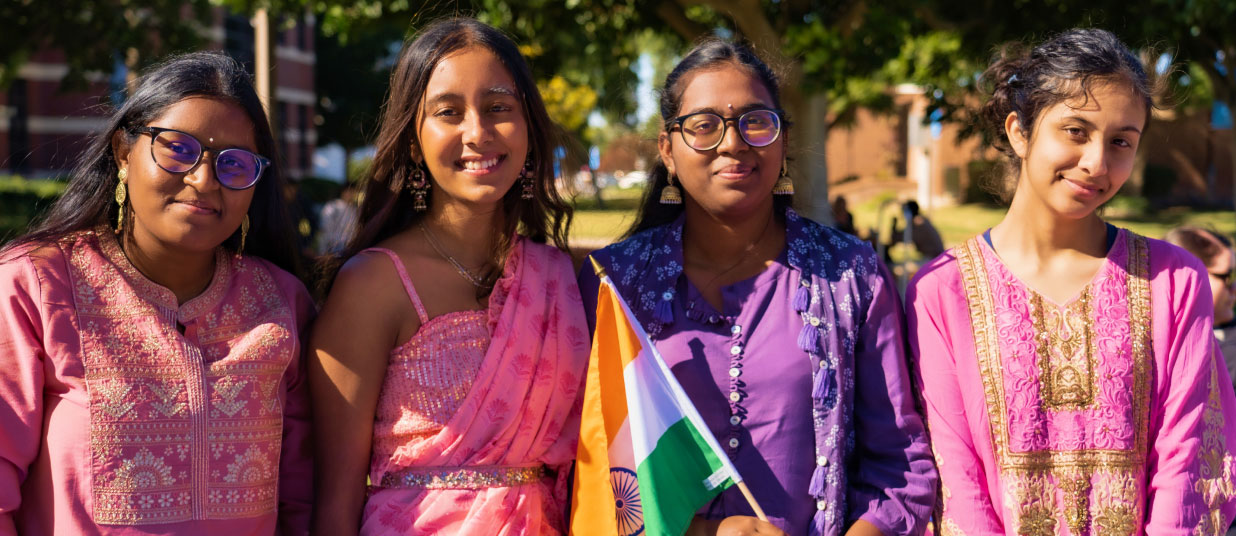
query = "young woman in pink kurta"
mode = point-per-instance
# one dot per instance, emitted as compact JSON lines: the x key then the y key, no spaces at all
{"x":1067,"y":366}
{"x":150,"y":333}
{"x":450,"y":354}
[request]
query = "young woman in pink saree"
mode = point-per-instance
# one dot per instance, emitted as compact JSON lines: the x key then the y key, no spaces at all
{"x":449,"y":356}
{"x":1068,"y":370}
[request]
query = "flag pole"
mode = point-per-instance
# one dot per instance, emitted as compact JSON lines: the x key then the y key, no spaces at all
{"x":742,"y":486}
{"x":759,"y":512}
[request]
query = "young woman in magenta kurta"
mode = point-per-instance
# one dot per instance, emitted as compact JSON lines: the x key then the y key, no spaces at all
{"x":450,"y":354}
{"x":786,"y":334}
{"x":1069,"y":373}
{"x":150,"y":333}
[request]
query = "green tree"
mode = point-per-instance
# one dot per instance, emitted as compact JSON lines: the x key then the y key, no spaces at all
{"x":93,"y":35}
{"x":821,"y":48}
{"x":351,"y":77}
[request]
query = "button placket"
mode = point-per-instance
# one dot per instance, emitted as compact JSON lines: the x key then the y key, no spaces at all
{"x":737,"y":346}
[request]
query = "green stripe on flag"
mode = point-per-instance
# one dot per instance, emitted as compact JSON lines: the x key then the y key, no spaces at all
{"x":672,"y":479}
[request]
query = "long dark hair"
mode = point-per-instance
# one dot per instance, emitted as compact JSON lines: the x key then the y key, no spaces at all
{"x":387,"y":206}
{"x":708,"y":54}
{"x":1026,"y":82}
{"x":88,"y":201}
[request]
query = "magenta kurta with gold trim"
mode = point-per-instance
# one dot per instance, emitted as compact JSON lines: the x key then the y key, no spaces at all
{"x":124,"y":413}
{"x":1103,"y":415}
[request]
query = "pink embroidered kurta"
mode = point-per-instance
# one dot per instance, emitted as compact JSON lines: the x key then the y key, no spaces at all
{"x":478,"y":415}
{"x":1103,"y":415}
{"x":122,"y":412}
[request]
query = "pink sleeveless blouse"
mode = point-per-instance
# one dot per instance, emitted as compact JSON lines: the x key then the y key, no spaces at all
{"x":427,"y":377}
{"x":478,"y":416}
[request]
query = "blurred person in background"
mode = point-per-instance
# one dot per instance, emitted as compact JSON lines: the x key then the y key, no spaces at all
{"x":843,"y":217}
{"x":923,"y":233}
{"x":151,"y":328}
{"x":337,"y":221}
{"x":1215,"y":251}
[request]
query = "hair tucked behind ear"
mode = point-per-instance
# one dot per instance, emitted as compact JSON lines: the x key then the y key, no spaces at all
{"x":1026,"y":82}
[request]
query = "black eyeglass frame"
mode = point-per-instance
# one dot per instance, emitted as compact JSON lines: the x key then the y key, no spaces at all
{"x":262,"y":161}
{"x":725,"y":125}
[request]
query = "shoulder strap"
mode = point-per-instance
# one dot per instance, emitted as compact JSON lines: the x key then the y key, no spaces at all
{"x":407,"y":282}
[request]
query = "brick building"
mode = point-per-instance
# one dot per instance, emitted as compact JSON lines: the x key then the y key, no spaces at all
{"x":42,"y":128}
{"x":1187,"y":156}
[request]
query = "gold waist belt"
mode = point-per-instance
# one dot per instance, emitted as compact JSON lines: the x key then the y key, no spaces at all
{"x":473,"y":477}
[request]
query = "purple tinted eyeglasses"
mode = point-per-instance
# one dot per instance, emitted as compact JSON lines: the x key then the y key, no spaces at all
{"x":178,"y":152}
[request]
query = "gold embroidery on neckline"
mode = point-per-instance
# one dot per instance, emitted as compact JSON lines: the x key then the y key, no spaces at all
{"x":1066,"y":349}
{"x":1088,"y":481}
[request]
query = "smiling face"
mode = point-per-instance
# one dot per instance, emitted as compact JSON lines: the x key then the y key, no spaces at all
{"x":733,"y":180}
{"x":186,"y":212}
{"x":1081,"y":151}
{"x":473,"y":136}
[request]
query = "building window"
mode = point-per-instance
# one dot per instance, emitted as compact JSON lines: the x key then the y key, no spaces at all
{"x":238,"y":40}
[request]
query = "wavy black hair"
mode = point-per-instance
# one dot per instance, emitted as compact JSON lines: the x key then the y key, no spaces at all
{"x":88,"y":201}
{"x":1026,"y":82}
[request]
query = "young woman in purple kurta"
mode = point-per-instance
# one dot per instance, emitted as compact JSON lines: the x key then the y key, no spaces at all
{"x":787,"y":335}
{"x":1070,"y":377}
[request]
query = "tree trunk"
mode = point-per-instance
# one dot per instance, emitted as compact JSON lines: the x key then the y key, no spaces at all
{"x":814,"y":154}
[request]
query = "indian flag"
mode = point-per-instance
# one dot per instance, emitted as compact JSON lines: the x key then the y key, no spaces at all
{"x":646,"y":461}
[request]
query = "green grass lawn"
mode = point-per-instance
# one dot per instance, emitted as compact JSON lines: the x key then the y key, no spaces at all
{"x":596,"y":226}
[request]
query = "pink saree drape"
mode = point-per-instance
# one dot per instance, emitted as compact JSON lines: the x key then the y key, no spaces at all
{"x":522,"y":411}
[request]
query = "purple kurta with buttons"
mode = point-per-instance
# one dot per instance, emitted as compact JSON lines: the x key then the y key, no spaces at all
{"x":801,"y":376}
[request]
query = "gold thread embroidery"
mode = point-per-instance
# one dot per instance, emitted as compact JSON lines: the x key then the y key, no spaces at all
{"x":1065,"y":350}
{"x":1214,"y":460}
{"x":1035,"y":477}
{"x":154,"y":448}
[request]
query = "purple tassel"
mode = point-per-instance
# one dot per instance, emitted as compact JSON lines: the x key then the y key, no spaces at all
{"x":816,"y":488}
{"x":808,"y":338}
{"x":823,"y":385}
{"x":802,"y":299}
{"x":817,"y":524}
{"x":664,"y":312}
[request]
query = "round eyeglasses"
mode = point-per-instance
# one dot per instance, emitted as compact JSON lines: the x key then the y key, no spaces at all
{"x":178,"y":152}
{"x":703,"y":131}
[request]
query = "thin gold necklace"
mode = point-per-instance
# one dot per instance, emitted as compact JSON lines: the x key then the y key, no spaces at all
{"x":742,"y":257}
{"x":476,"y":281}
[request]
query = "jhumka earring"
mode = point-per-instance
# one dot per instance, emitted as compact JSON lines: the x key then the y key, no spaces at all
{"x":784,"y":186}
{"x":670,"y":194}
{"x":121,"y":195}
{"x":420,"y":189}
{"x":244,"y":232}
{"x":525,"y":180}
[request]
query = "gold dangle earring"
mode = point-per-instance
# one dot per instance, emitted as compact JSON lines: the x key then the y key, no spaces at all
{"x":420,"y":189}
{"x":525,"y":180}
{"x":784,"y":186}
{"x":244,"y":233}
{"x":670,"y":194}
{"x":122,"y":194}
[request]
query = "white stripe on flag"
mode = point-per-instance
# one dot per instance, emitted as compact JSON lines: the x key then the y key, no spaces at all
{"x":648,"y":354}
{"x":649,"y":403}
